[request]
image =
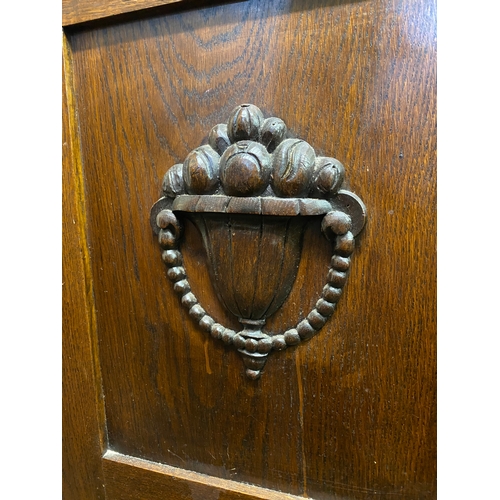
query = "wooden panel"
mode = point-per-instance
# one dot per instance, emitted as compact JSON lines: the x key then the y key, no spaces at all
{"x":129,"y":478}
{"x":83,"y":11}
{"x":352,"y":413}
{"x":83,"y":412}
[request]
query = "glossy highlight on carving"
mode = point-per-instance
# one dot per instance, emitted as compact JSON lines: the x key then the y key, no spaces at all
{"x":250,"y":192}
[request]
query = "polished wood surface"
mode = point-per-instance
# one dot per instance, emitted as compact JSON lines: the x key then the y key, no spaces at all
{"x":352,"y":414}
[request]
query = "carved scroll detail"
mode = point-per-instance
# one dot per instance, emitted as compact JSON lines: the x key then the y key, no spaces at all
{"x":253,"y":189}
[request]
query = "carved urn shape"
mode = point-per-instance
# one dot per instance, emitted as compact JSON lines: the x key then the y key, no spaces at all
{"x":250,"y":192}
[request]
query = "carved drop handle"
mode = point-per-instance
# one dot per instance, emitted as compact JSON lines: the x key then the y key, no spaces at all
{"x":250,"y":183}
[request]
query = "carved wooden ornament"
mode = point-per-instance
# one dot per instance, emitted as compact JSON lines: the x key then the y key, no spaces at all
{"x":252,"y":189}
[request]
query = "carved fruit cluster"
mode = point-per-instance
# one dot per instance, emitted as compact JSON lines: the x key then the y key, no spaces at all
{"x":251,"y":156}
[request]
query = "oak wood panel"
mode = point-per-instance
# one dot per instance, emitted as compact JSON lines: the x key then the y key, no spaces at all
{"x":352,"y":413}
{"x":130,"y":478}
{"x":83,"y":412}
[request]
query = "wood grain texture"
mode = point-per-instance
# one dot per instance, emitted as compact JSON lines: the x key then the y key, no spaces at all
{"x":83,"y":411}
{"x":353,"y":412}
{"x":75,"y":12}
{"x":129,"y":478}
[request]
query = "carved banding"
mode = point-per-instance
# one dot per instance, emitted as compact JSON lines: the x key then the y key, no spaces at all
{"x":260,"y":205}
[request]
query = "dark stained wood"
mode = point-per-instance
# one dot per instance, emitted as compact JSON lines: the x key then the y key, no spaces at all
{"x":352,"y":413}
{"x":129,"y":478}
{"x":83,"y":412}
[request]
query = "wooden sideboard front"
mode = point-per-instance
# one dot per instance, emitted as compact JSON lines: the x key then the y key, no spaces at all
{"x":153,"y":407}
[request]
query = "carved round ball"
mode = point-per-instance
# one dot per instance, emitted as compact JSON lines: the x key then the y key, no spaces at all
{"x":170,"y":229}
{"x":251,"y":345}
{"x":173,"y":181}
{"x":218,"y":138}
{"x":292,"y":337}
{"x":272,"y":133}
{"x":172,"y":257}
{"x":228,"y":335}
{"x":305,"y":330}
{"x":337,"y":222}
{"x":328,"y":177}
{"x":245,"y":169}
{"x":239,"y":341}
{"x":265,"y":345}
{"x":331,"y":294}
{"x":325,"y":308}
{"x":244,"y":123}
{"x":206,"y":323}
{"x":293,"y":164}
{"x":201,"y":171}
{"x":316,"y":319}
{"x":182,"y":287}
{"x":216,"y":331}
{"x":197,"y":312}
{"x":279,"y":342}
{"x":189,"y":300}
{"x":166,"y":219}
{"x":336,"y":278}
{"x":176,"y":273}
{"x":344,"y":245}
{"x":167,"y":239}
{"x":340,"y":263}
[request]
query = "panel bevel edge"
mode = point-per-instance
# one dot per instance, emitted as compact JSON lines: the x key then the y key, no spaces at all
{"x":84,"y":338}
{"x":123,"y":473}
{"x":89,"y":13}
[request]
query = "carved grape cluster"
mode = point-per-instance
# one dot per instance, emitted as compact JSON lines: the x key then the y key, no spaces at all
{"x":251,"y":156}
